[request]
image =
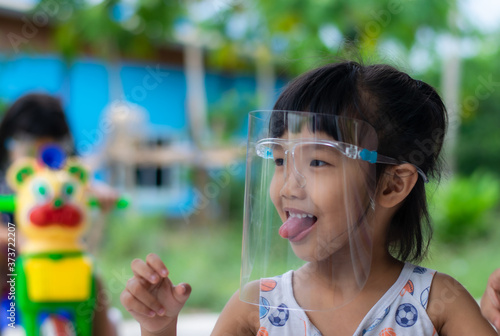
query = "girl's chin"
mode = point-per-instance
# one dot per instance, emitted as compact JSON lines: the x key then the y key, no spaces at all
{"x":315,"y":252}
{"x":309,"y":254}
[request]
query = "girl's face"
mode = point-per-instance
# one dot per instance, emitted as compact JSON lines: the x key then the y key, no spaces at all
{"x":320,"y":195}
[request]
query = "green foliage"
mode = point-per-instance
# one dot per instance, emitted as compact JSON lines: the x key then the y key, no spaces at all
{"x":479,"y":140}
{"x":471,"y":262}
{"x":226,"y":116}
{"x":99,"y":29}
{"x":234,"y":197}
{"x":459,"y":206}
{"x":302,"y":34}
{"x":3,"y":107}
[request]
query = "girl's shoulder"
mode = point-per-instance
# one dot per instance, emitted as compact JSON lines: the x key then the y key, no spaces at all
{"x":238,"y":316}
{"x":453,"y":310}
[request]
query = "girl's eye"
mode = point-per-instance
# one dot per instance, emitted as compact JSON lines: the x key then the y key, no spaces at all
{"x":317,"y":163}
{"x":278,"y":162}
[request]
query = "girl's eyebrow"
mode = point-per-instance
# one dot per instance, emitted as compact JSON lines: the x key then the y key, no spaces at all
{"x":319,"y":146}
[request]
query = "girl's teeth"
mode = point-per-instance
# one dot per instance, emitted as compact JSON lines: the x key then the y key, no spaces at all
{"x":301,"y":215}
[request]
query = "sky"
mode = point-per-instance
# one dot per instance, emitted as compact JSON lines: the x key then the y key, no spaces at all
{"x":17,"y":4}
{"x":485,"y":14}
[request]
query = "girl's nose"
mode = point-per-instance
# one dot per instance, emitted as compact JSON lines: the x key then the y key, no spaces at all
{"x":293,"y":181}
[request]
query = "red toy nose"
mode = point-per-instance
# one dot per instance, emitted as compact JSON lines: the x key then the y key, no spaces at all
{"x":66,"y":215}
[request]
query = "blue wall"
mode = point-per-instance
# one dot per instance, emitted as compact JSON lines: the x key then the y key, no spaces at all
{"x":22,"y":74}
{"x":160,"y":89}
{"x":85,"y":90}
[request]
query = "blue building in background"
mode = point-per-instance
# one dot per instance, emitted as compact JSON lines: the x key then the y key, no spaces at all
{"x":157,"y":175}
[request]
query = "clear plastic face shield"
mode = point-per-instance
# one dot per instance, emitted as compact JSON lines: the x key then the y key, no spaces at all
{"x":309,"y":202}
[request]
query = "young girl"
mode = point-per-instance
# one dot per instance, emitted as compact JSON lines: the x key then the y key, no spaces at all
{"x":344,"y":179}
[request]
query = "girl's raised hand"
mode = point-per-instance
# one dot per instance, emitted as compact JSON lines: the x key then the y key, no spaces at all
{"x":151,"y":297}
{"x":490,"y":302}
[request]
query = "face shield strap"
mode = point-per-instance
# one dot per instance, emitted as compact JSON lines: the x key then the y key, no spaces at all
{"x":390,"y":161}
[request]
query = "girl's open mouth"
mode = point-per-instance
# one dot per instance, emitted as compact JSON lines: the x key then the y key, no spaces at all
{"x":298,"y":225}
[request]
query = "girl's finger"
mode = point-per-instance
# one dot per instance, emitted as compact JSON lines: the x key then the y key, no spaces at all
{"x":495,"y":298}
{"x":143,"y":270}
{"x":494,"y":280}
{"x":141,"y":294}
{"x":493,"y":289}
{"x":181,"y":292}
{"x":131,"y":303}
{"x":157,"y":264}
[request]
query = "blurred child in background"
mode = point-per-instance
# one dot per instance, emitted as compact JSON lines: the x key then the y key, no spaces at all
{"x":31,"y":122}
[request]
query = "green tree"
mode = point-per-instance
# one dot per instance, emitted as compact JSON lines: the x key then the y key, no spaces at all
{"x":113,"y":27}
{"x":478,"y":145}
{"x":309,"y":31}
{"x":288,"y":37}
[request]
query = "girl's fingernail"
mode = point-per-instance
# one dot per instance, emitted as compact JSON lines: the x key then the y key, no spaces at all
{"x":164,"y":272}
{"x":161,"y":311}
{"x":153,"y":278}
{"x":151,"y":313}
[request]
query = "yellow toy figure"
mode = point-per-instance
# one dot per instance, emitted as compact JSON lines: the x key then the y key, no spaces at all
{"x":55,"y":277}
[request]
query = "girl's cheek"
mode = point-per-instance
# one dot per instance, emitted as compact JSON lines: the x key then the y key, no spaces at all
{"x":274,"y":194}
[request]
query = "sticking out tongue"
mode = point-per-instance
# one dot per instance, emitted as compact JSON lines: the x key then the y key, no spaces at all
{"x":295,"y":228}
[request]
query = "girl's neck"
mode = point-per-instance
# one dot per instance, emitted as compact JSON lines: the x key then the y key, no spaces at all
{"x":344,"y":279}
{"x":339,"y":271}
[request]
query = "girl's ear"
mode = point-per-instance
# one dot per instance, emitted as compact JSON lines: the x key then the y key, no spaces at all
{"x":396,"y":183}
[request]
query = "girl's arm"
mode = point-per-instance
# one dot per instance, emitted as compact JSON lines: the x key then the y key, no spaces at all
{"x":454,"y":311}
{"x":238,"y":318}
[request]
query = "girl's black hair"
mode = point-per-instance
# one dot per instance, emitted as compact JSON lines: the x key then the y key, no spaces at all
{"x":35,"y":115}
{"x":409,"y":118}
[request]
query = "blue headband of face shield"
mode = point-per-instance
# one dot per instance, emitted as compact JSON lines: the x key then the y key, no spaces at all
{"x":265,"y":149}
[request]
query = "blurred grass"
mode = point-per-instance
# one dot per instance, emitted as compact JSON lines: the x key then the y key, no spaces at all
{"x":207,"y":255}
{"x":472,"y":261}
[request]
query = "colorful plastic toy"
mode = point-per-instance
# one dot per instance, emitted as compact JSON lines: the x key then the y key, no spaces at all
{"x":55,"y":276}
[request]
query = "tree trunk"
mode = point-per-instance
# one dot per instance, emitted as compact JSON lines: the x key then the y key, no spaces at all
{"x":451,"y":91}
{"x":197,"y":109}
{"x":196,"y":93}
{"x":266,"y":78}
